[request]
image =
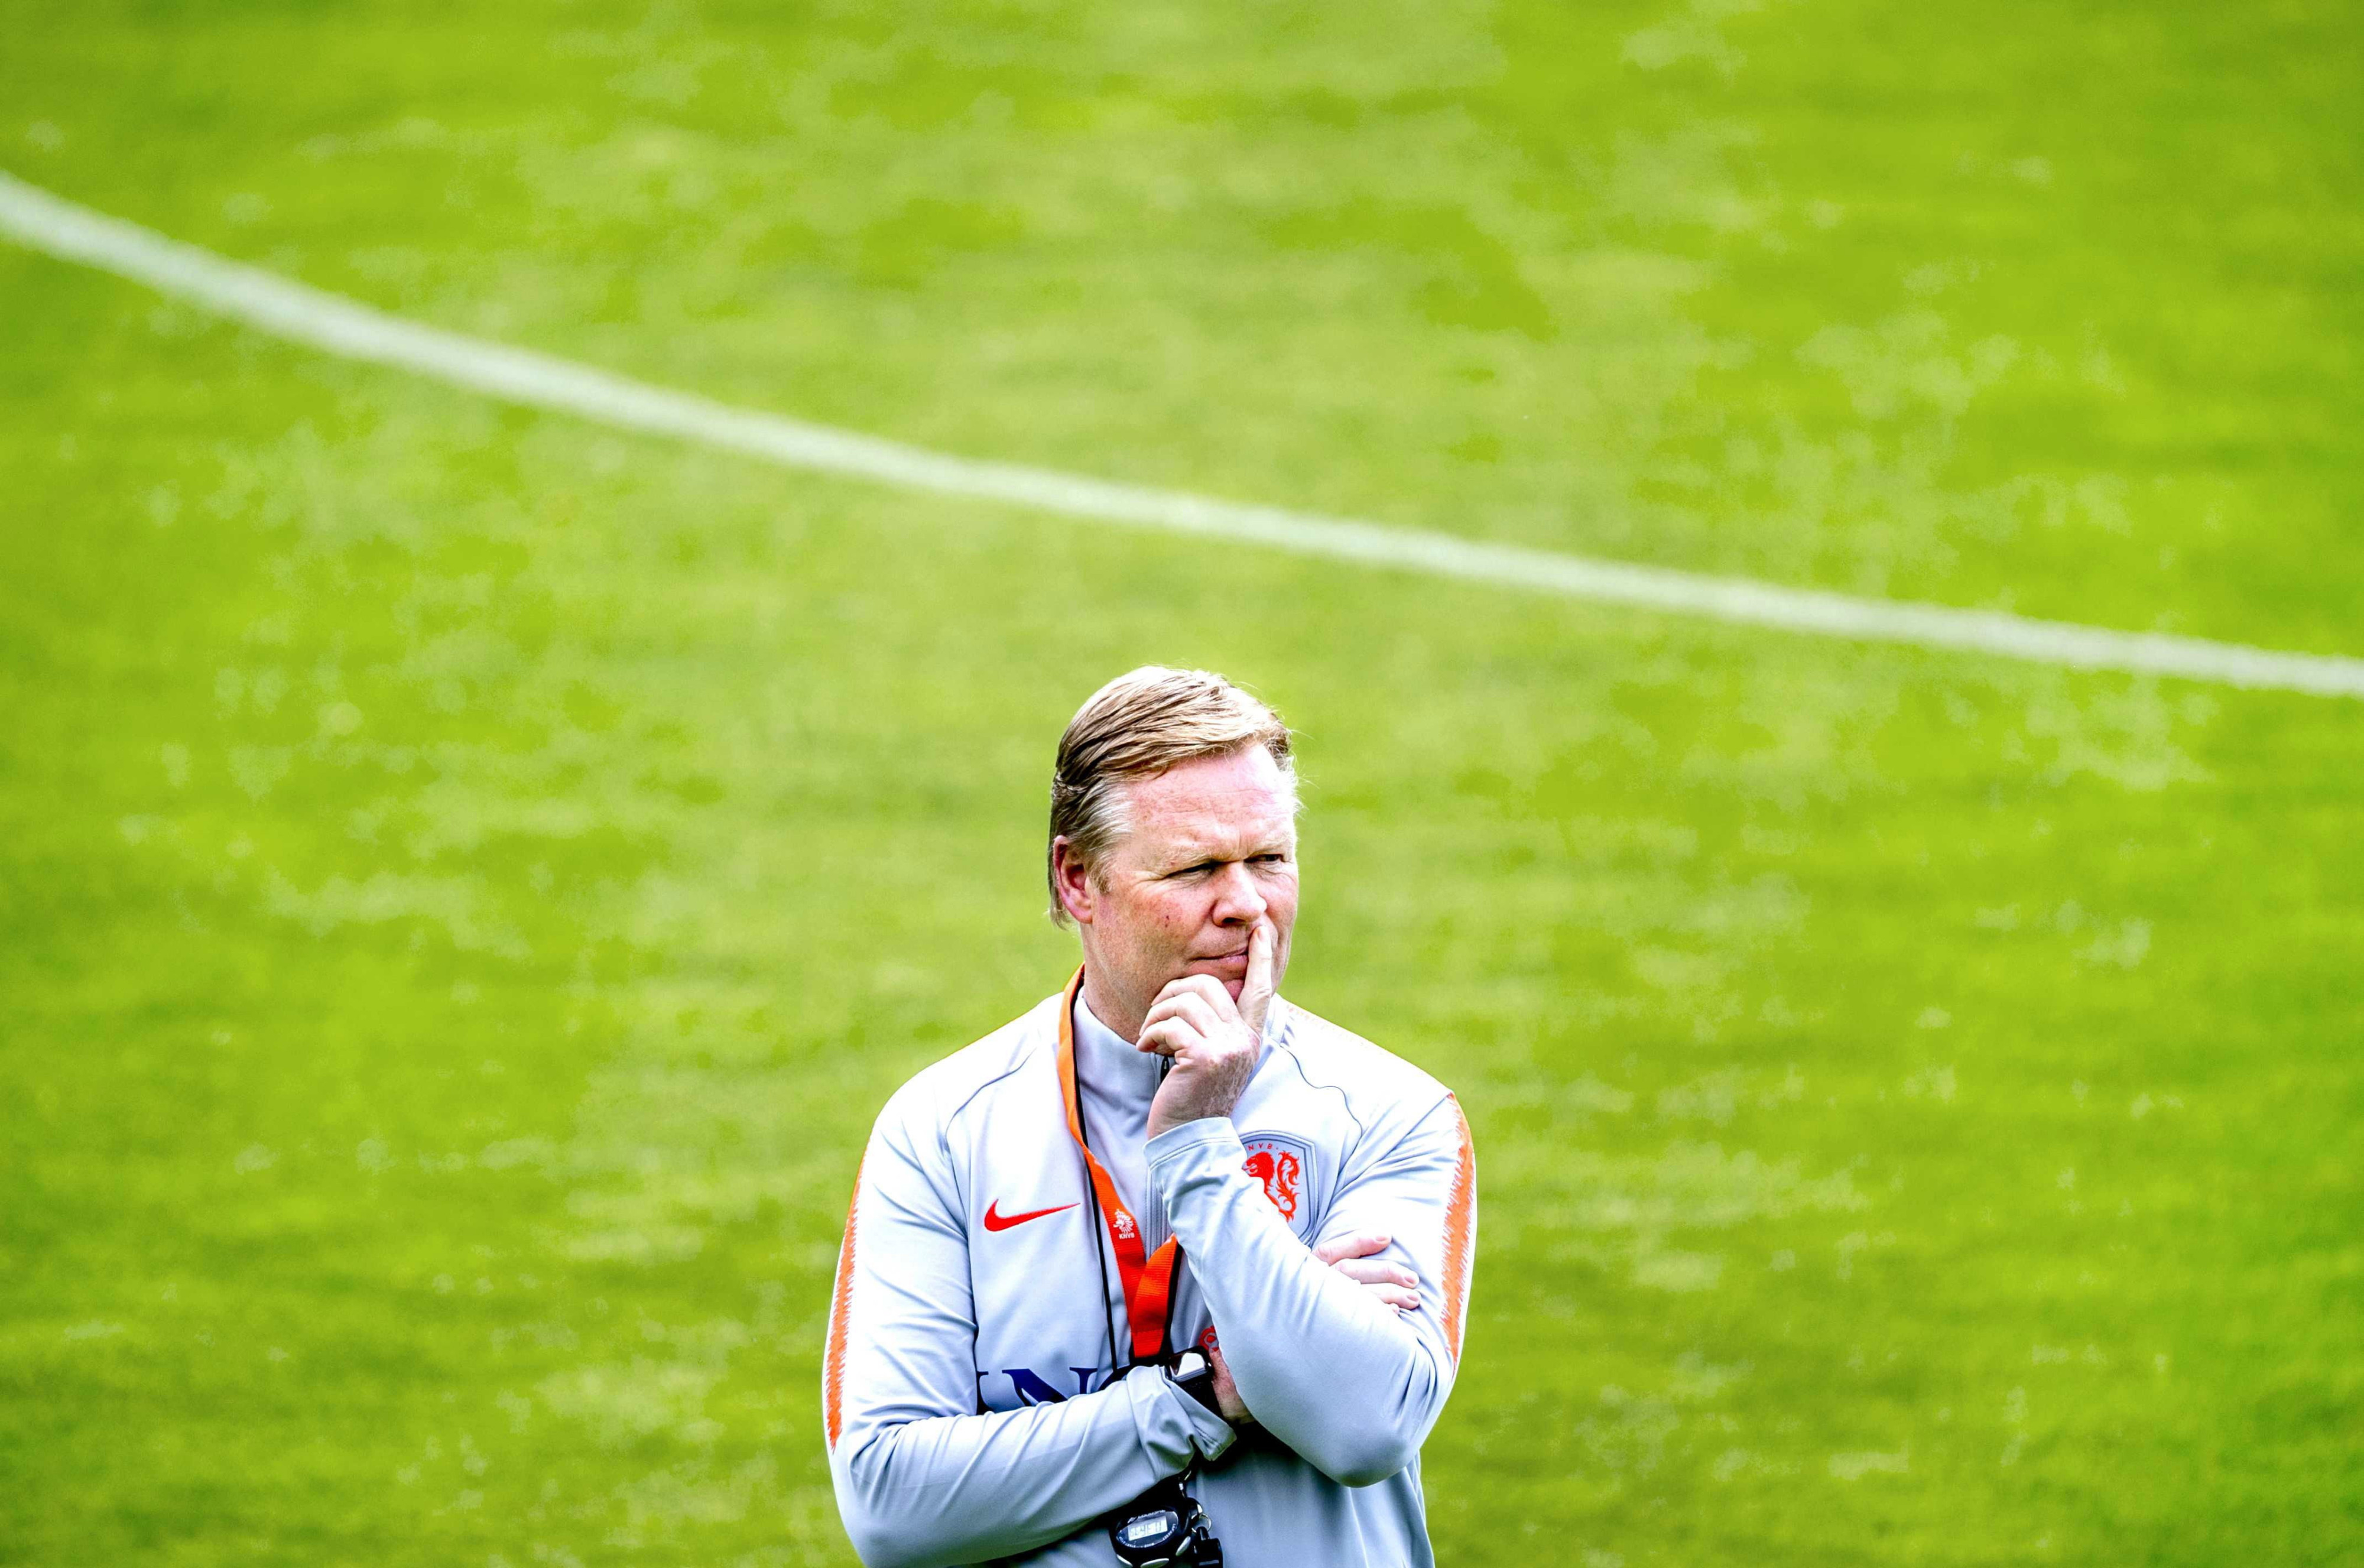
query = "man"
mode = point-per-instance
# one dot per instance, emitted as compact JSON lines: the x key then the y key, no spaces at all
{"x":1163,"y":1158}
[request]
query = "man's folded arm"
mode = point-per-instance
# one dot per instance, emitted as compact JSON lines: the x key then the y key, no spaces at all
{"x":1318,"y":1359}
{"x":922,"y":1478}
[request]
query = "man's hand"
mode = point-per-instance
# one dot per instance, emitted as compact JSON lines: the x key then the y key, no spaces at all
{"x":1228,"y":1403}
{"x":1391,"y":1282}
{"x":1213,"y":1043}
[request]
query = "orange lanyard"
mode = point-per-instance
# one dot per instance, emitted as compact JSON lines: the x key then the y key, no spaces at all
{"x":1148,"y":1279}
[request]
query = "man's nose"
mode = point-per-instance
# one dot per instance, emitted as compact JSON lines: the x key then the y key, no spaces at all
{"x":1237,"y":902}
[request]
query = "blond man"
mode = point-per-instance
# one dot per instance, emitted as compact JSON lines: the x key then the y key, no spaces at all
{"x":1166,"y":1269}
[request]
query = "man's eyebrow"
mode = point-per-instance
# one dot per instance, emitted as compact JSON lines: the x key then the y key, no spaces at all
{"x":1190,"y":857}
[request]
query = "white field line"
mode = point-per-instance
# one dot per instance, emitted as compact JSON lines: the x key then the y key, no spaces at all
{"x":291,"y":310}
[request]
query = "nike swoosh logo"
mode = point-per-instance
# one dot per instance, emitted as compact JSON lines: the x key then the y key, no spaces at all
{"x":997,"y":1221}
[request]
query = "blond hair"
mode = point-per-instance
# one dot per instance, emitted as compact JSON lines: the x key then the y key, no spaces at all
{"x":1135,"y":727}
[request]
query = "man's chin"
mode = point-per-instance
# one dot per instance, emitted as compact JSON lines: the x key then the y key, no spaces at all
{"x":1233,"y":983}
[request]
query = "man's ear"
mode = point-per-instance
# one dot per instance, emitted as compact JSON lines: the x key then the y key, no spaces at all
{"x":1074,"y":880}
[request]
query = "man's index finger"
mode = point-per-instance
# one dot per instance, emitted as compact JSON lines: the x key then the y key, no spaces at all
{"x":1255,"y":995}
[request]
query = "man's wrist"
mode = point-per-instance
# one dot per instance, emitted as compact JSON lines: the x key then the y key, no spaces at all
{"x":1208,"y":1434}
{"x":1194,"y":1375}
{"x":1187,"y":1134}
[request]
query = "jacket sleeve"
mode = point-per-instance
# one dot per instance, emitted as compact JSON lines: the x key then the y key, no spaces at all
{"x":922,"y":1477}
{"x":1339,"y":1376}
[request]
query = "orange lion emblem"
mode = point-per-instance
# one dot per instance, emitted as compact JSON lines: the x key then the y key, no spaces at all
{"x":1279,"y":1171}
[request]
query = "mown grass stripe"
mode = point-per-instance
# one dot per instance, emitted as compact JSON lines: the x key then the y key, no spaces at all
{"x":299,"y":313}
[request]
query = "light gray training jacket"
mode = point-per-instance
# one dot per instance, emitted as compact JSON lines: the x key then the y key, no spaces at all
{"x":972,"y":1398}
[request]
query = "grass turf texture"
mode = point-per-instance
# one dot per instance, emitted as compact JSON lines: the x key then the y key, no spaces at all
{"x":470,"y":877}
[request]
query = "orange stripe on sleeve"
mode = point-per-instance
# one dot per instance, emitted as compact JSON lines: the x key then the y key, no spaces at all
{"x":1460,"y":1233}
{"x":841,"y":1308}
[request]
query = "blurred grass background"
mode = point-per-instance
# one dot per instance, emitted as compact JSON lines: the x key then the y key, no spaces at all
{"x":469,"y":878}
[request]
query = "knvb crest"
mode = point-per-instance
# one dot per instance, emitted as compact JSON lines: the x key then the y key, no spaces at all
{"x":1279,"y":1161}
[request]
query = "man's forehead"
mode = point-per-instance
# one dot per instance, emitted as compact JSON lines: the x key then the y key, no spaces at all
{"x":1216,"y":804}
{"x":1189,"y":833}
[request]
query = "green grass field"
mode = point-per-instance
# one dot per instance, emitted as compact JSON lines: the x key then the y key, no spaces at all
{"x":469,"y":878}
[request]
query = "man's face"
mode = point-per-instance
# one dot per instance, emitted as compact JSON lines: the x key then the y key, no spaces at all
{"x":1212,"y":851}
